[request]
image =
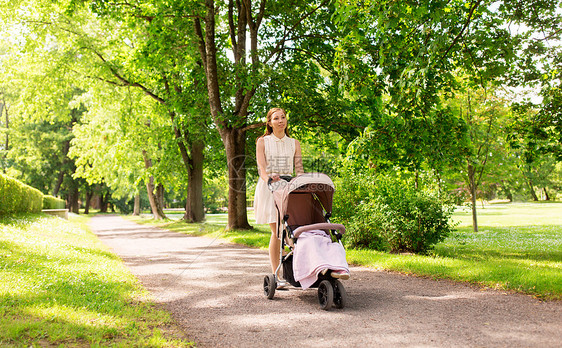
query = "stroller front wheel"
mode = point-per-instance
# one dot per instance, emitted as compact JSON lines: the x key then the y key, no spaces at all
{"x":325,"y":295}
{"x":269,"y":285}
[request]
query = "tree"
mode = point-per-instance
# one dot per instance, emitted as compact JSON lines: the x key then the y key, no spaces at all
{"x":124,"y":141}
{"x":486,"y":116}
{"x":42,"y":114}
{"x":144,"y":52}
{"x":535,"y":135}
{"x":232,"y":85}
{"x":158,"y":62}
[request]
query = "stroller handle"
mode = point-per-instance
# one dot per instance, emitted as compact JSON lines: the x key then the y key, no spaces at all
{"x":319,"y":226}
{"x":287,"y":178}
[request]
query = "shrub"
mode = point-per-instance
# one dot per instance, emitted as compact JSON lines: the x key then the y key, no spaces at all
{"x":16,"y":197}
{"x":350,"y":200}
{"x":386,"y":212}
{"x":50,"y":202}
{"x":409,"y":219}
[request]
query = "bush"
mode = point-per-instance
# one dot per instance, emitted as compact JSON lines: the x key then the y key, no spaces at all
{"x":50,"y":202}
{"x":16,"y":197}
{"x":350,"y":199}
{"x":386,"y":212}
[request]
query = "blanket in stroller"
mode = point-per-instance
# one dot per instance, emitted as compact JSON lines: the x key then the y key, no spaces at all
{"x":315,"y":252}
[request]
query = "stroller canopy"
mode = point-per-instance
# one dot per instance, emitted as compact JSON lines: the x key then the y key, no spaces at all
{"x":305,"y":199}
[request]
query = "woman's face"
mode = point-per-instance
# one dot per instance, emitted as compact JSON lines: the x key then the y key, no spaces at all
{"x":278,"y":121}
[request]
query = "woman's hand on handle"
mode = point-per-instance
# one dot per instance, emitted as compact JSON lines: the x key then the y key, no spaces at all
{"x":274,"y":177}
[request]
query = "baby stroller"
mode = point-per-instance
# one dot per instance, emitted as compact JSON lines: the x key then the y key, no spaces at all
{"x":304,"y":203}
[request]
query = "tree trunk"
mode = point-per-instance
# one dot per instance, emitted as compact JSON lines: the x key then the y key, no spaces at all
{"x":104,"y":199}
{"x":547,"y":197}
{"x":102,"y":207}
{"x":532,"y":190}
{"x":58,"y":184}
{"x":235,"y":145}
{"x":156,"y":207}
{"x":89,"y":194}
{"x":73,"y":197}
{"x":160,"y":195}
{"x":509,"y":196}
{"x":233,"y":137}
{"x":60,"y":178}
{"x":157,"y":210}
{"x":192,"y":155}
{"x":472,"y":187}
{"x":194,"y":210}
{"x":136,"y":208}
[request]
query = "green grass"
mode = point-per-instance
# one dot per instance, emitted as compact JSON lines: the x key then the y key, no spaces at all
{"x":518,"y":247}
{"x":59,"y":286}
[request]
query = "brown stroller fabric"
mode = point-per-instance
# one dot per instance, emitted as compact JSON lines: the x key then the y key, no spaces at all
{"x":305,"y":199}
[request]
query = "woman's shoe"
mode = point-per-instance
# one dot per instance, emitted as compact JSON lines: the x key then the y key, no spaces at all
{"x":340,"y":274}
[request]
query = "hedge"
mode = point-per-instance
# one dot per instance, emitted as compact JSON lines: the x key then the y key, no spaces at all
{"x":16,"y":197}
{"x":50,"y":202}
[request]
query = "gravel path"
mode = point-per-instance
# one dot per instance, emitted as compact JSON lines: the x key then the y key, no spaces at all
{"x":214,"y":291}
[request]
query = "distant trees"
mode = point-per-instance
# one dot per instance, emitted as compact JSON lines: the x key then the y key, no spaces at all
{"x":159,"y":91}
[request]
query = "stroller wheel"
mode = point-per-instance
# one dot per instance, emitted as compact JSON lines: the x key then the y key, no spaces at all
{"x":269,"y":286}
{"x":325,"y":295}
{"x":340,"y":295}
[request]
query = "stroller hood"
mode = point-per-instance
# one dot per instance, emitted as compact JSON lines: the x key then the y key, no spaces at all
{"x":297,"y":199}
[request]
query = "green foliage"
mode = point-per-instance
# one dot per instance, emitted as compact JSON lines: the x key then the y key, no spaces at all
{"x":50,"y":202}
{"x":215,"y":193}
{"x":380,"y":74}
{"x":108,"y":145}
{"x":387,"y":212}
{"x":17,"y":197}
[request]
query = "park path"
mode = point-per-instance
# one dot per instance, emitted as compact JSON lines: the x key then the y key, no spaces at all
{"x":214,"y":291}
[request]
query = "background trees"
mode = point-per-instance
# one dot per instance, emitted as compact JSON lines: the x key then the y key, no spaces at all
{"x":422,"y":58}
{"x":143,"y":92}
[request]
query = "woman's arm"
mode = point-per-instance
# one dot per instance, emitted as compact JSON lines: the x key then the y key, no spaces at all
{"x":262,"y":162}
{"x":298,"y":159}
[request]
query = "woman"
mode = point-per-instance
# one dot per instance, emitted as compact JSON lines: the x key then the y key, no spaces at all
{"x":276,"y":155}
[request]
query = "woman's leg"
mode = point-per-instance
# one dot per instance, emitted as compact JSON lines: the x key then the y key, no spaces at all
{"x":274,"y":247}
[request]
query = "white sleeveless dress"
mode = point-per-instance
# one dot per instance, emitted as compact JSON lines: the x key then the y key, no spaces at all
{"x":279,"y":156}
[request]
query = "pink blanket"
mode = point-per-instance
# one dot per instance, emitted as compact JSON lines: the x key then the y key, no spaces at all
{"x":315,"y":252}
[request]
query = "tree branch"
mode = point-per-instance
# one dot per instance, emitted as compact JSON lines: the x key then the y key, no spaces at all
{"x":202,"y":46}
{"x":253,"y":126}
{"x":550,"y":36}
{"x":125,"y":82}
{"x":317,"y":58}
{"x":284,"y":39}
{"x":466,"y":24}
{"x":231,"y":26}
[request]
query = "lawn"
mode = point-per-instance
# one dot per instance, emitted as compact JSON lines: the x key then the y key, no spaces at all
{"x":59,"y":286}
{"x":518,"y":248}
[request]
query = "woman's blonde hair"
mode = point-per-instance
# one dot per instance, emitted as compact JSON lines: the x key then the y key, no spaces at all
{"x":268,"y":128}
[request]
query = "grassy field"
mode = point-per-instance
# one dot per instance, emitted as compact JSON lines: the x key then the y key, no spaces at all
{"x":59,"y":286}
{"x":518,"y":248}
